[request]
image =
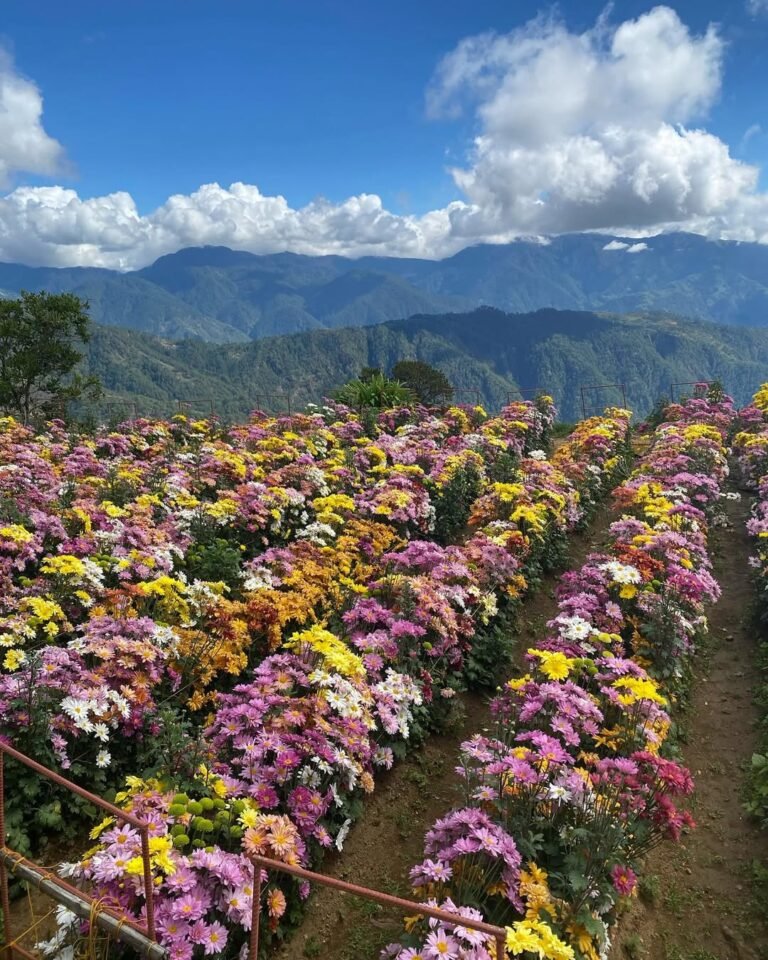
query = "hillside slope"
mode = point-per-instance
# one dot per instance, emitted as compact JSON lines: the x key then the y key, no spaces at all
{"x":487,"y":354}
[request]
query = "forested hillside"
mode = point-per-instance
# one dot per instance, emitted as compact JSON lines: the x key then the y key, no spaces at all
{"x":487,"y":354}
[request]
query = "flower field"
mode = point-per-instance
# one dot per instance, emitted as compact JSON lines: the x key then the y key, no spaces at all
{"x":571,"y":789}
{"x":231,"y":631}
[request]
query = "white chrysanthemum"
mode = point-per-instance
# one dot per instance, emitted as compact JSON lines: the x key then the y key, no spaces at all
{"x":341,"y":836}
{"x":316,"y":532}
{"x":101,"y":732}
{"x":621,"y":572}
{"x":575,"y":628}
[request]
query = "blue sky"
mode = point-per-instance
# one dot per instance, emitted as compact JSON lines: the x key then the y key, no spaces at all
{"x":326,"y":98}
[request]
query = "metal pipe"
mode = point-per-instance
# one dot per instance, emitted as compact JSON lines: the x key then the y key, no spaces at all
{"x":499,"y":934}
{"x":14,"y":859}
{"x":76,"y":902}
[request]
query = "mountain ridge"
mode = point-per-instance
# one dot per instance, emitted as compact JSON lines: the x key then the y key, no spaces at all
{"x":487,"y":354}
{"x":229,"y":296}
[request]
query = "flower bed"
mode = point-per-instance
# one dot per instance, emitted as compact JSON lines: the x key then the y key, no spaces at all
{"x":750,"y":448}
{"x":246,"y":624}
{"x":571,"y":788}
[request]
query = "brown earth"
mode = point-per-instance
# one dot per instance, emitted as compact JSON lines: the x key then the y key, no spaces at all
{"x":389,"y":837}
{"x":707,"y":898}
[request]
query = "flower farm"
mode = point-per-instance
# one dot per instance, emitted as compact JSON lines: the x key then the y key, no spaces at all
{"x":233,"y":633}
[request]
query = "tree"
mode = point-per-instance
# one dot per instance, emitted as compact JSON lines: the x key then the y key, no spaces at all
{"x":368,"y":373}
{"x":39,"y":338}
{"x":430,"y":385}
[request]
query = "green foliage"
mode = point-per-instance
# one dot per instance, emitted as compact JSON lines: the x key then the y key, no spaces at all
{"x":658,"y":413}
{"x":649,"y":888}
{"x":756,"y":788}
{"x":312,"y":948}
{"x":716,"y":392}
{"x":378,"y":392}
{"x":175,"y":751}
{"x":562,"y":428}
{"x":40,"y":336}
{"x":430,"y":385}
{"x":453,"y":502}
{"x":757,"y":798}
{"x":38,"y":811}
{"x":493,"y":649}
{"x":214,"y":560}
{"x":504,"y":469}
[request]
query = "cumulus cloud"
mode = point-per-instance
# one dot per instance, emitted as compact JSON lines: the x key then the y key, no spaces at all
{"x":24,"y":144}
{"x":53,"y":225}
{"x":757,"y":7}
{"x":602,"y":130}
{"x":591,"y":131}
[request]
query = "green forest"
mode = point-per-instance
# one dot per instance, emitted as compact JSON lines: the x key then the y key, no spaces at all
{"x":488,"y":355}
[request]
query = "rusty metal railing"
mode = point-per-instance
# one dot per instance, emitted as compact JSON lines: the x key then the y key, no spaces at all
{"x":593,"y":388}
{"x":499,"y":934}
{"x":50,"y":883}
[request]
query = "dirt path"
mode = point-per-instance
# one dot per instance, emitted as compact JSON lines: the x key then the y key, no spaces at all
{"x":698,"y":900}
{"x":388,"y":839}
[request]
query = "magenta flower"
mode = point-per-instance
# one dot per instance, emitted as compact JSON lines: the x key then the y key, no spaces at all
{"x":624,"y":879}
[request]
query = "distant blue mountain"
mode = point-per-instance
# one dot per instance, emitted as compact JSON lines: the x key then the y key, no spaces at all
{"x":222,"y":295}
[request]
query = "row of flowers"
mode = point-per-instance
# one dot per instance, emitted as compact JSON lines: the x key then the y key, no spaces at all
{"x":750,"y":449}
{"x":574,"y":784}
{"x":284,"y":757}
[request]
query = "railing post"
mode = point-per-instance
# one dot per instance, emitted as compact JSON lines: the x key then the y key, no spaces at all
{"x":149,"y":892}
{"x":5,"y":901}
{"x":253,"y":950}
{"x":501,"y":946}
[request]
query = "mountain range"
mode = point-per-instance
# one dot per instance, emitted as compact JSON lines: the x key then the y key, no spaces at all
{"x":225,"y":296}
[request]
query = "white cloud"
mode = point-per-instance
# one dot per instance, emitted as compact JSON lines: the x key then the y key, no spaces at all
{"x":24,"y":144}
{"x":752,"y":131}
{"x":601,"y":130}
{"x":757,"y":7}
{"x":591,"y":131}
{"x":53,"y":225}
{"x":626,"y":247}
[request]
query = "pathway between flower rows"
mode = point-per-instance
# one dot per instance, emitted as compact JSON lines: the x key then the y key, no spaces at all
{"x":698,"y":899}
{"x":389,"y":837}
